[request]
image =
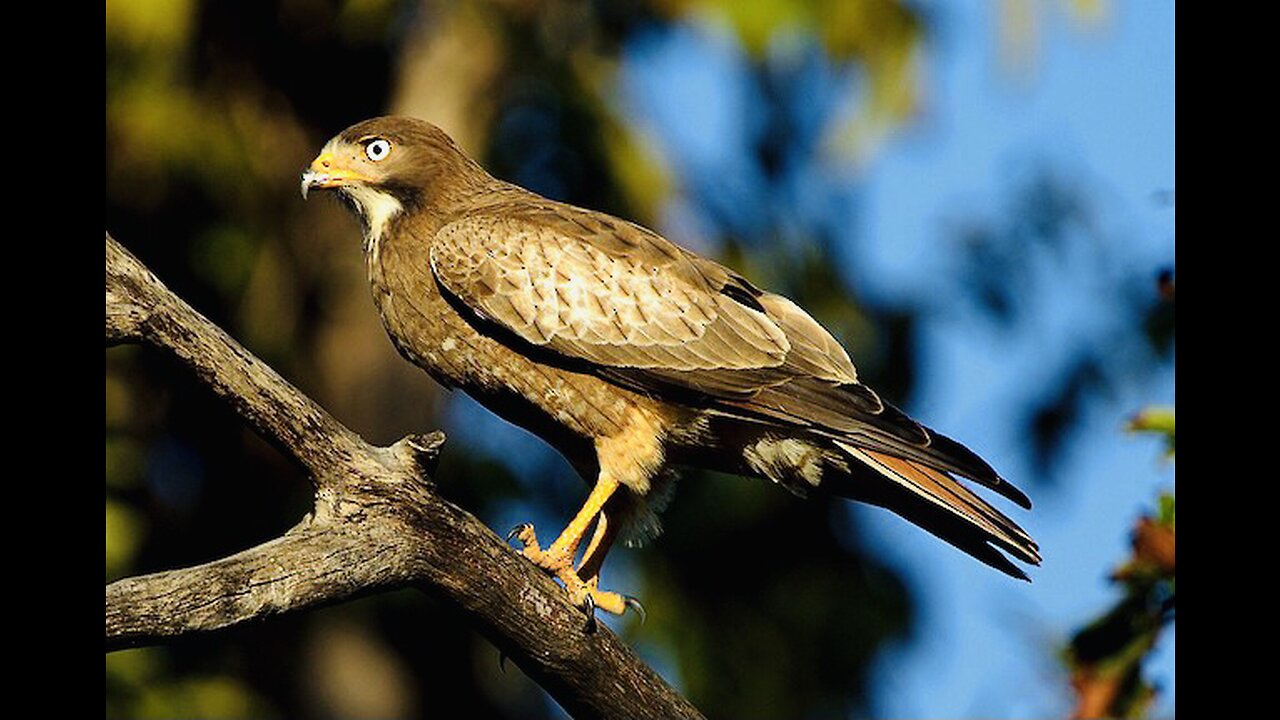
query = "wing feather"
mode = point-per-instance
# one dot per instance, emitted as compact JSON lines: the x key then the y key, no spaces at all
{"x":634,"y":304}
{"x":651,"y":316}
{"x":972,"y":521}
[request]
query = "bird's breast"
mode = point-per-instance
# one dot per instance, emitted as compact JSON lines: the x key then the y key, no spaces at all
{"x":571,"y":410}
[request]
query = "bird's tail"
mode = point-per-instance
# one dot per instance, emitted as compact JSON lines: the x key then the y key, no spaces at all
{"x":939,"y":503}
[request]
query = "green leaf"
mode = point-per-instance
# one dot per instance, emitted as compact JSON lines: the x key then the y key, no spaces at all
{"x":1156,"y":419}
{"x":1165,"y":516}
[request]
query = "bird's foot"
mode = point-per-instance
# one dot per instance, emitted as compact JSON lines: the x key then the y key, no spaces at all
{"x":559,"y":564}
{"x":528,"y":541}
{"x":556,"y":560}
{"x":589,"y":596}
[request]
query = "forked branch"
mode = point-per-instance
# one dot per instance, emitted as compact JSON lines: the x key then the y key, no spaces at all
{"x":378,"y":524}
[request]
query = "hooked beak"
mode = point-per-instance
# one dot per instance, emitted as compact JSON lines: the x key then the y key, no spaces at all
{"x":324,"y":174}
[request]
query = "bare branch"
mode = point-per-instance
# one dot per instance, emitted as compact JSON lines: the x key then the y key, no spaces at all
{"x":140,"y":307}
{"x":308,"y":566}
{"x":378,"y":524}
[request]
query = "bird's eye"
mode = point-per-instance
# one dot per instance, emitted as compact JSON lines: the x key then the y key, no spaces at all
{"x":377,"y":149}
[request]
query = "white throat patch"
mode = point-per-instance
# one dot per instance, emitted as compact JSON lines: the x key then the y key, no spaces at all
{"x":377,"y":208}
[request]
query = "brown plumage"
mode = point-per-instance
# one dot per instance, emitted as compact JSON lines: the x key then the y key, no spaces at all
{"x":629,"y":353}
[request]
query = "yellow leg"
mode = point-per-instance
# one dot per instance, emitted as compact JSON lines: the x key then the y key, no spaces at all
{"x":601,"y":541}
{"x":557,"y":560}
{"x":593,"y":559}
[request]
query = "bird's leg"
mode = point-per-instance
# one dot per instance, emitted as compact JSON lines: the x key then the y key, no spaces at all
{"x":593,"y":559}
{"x":598,"y":547}
{"x":606,"y":532}
{"x":558,"y":558}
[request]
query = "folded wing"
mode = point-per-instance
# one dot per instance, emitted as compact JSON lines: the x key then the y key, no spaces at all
{"x":614,"y":299}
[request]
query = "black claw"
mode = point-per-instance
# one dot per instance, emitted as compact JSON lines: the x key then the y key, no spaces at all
{"x":590,"y":604}
{"x":517,"y":530}
{"x":502,"y":662}
{"x":635,"y":605}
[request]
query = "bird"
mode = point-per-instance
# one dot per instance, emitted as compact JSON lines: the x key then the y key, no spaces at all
{"x":632,"y":356}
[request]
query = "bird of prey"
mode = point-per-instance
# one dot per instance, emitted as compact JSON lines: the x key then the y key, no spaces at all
{"x":630,"y":354}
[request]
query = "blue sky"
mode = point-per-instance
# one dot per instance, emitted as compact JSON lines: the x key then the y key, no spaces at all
{"x":1097,"y":103}
{"x":1101,"y":102}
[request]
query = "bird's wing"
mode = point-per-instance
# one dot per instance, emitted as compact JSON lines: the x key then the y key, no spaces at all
{"x":624,"y":303}
{"x":603,"y":292}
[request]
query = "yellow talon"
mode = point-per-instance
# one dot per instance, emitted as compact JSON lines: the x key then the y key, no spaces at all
{"x":583,"y":584}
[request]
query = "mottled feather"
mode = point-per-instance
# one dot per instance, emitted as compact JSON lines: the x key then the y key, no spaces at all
{"x":617,"y":296}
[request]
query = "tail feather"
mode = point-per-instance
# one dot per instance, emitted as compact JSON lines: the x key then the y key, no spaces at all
{"x":940,"y":504}
{"x":855,"y":413}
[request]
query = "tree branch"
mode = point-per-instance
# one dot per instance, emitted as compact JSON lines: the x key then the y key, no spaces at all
{"x":377,"y":524}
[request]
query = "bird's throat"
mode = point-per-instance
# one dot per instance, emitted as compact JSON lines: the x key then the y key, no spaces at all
{"x":376,"y":210}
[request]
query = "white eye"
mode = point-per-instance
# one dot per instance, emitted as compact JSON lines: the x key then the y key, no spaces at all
{"x":377,"y":149}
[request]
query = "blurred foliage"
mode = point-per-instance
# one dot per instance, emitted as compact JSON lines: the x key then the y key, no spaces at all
{"x":1157,"y":420}
{"x":1021,"y":22}
{"x":883,"y":35}
{"x":1105,"y":657}
{"x":140,"y":684}
{"x":1050,"y":240}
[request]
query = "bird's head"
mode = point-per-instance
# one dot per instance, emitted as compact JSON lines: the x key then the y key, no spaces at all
{"x":385,"y":166}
